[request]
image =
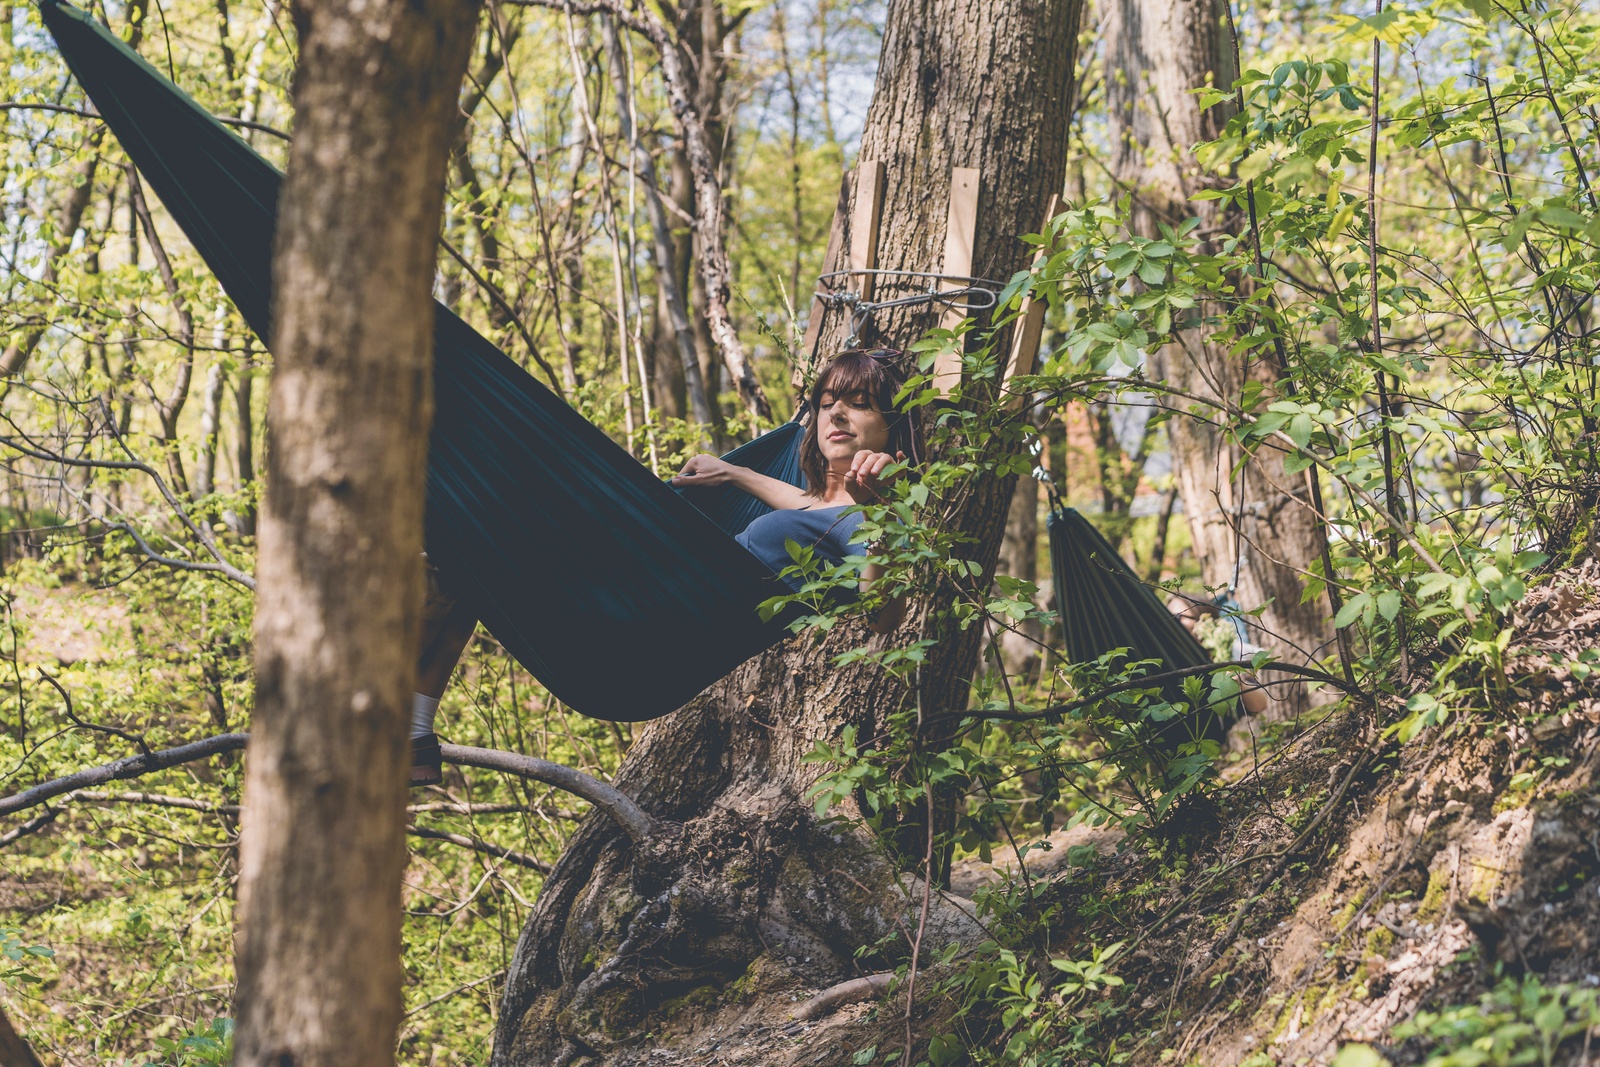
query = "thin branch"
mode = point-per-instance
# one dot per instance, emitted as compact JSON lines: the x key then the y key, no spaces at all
{"x":521,"y":859}
{"x":516,"y":320}
{"x":243,"y":124}
{"x":1153,"y":681}
{"x":119,"y":770}
{"x":158,"y":800}
{"x":627,"y":814}
{"x":38,"y":822}
{"x":112,"y":730}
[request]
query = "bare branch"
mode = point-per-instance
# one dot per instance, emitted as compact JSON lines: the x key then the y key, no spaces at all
{"x":38,"y":822}
{"x":521,"y":859}
{"x":158,"y":800}
{"x":118,"y":770}
{"x":112,"y":730}
{"x":714,"y":269}
{"x":628,"y":815}
{"x":243,"y":124}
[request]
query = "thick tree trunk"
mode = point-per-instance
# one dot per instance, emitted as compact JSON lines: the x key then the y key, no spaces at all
{"x":1156,"y":53}
{"x":743,"y":880}
{"x":341,"y":532}
{"x":14,"y":1051}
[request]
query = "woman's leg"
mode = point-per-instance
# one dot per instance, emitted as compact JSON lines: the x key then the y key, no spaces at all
{"x":447,"y":626}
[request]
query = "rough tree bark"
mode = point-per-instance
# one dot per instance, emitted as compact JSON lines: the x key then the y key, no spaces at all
{"x":1156,"y":52}
{"x":339,"y":564}
{"x":742,"y":879}
{"x":685,"y":81}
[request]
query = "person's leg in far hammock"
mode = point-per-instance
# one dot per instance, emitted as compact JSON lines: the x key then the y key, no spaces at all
{"x":447,"y":626}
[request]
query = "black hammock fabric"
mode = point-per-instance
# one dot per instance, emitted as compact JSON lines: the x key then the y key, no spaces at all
{"x":615,"y":592}
{"x":1104,"y":605}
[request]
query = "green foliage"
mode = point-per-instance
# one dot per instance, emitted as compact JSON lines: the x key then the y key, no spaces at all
{"x":205,"y":1045}
{"x":1518,"y":1022}
{"x":20,"y":959}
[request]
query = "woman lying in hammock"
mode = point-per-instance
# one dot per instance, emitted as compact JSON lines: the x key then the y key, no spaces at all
{"x":854,"y":435}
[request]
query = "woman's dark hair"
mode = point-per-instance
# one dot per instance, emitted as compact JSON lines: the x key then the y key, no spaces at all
{"x":875,"y":373}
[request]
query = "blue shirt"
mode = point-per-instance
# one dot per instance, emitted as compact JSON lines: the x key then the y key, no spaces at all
{"x":827,"y":530}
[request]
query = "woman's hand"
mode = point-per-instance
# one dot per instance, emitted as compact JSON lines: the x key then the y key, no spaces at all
{"x":864,"y":481}
{"x":707,"y":471}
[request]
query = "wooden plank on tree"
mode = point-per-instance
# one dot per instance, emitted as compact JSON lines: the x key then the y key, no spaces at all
{"x":961,"y":229}
{"x":830,"y":262}
{"x":1029,"y":327}
{"x":864,"y":223}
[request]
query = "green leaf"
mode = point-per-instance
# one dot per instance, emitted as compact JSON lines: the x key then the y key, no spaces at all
{"x":1389,"y":604}
{"x":1359,"y":1056}
{"x":1255,"y":164}
{"x":866,"y":1055}
{"x":1352,"y":610}
{"x":1299,"y":429}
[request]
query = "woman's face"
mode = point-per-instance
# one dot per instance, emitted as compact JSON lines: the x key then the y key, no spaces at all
{"x":846,"y":424}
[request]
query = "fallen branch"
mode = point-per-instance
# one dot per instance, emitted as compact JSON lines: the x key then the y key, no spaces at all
{"x":849,"y":992}
{"x":521,"y":859}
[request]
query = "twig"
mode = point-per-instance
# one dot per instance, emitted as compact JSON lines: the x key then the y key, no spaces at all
{"x":1267,"y":879}
{"x":157,"y":800}
{"x":244,"y":124}
{"x":511,"y":313}
{"x":112,"y":730}
{"x":1152,"y":681}
{"x":521,"y":859}
{"x":38,"y":822}
{"x":922,"y":926}
{"x":442,"y":997}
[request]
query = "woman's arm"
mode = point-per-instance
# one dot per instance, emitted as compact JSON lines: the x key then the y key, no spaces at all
{"x":707,"y":471}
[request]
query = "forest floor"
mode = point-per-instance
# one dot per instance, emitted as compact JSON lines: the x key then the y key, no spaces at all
{"x":1286,"y":919}
{"x":1323,"y":894}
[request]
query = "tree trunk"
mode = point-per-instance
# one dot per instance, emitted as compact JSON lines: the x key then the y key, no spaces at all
{"x":341,"y":533}
{"x":244,"y":445}
{"x":1162,"y":51}
{"x":743,"y":880}
{"x":14,"y":1051}
{"x":70,"y":217}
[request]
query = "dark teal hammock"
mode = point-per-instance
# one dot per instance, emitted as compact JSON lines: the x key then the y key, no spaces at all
{"x":623,"y":597}
{"x":1104,"y":606}
{"x":618,"y":594}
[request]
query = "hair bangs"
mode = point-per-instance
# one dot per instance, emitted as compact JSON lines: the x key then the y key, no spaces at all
{"x":858,"y":372}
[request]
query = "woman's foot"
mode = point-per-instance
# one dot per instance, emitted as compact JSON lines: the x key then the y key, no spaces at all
{"x":427,"y":766}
